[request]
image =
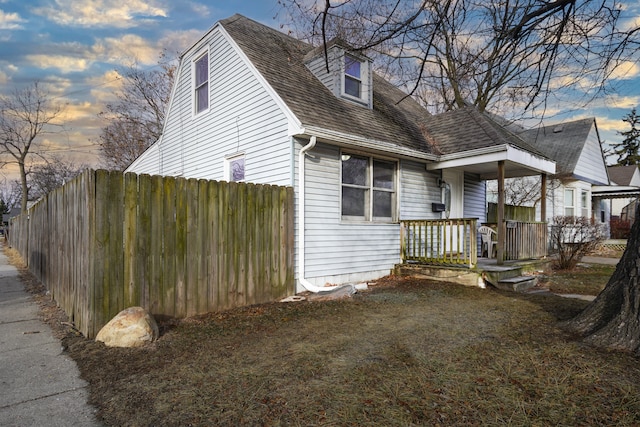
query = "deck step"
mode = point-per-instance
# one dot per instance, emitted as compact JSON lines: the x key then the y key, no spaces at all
{"x":518,"y":284}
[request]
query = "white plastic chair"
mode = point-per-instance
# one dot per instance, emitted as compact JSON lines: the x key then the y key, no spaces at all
{"x":487,"y":240}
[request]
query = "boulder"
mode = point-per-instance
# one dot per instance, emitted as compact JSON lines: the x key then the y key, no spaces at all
{"x":132,"y":327}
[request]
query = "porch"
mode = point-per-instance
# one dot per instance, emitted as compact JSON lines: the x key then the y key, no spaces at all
{"x":449,"y":249}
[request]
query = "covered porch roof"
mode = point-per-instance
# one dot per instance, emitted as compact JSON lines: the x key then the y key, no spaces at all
{"x":615,"y":191}
{"x":484,"y":162}
{"x":472,"y":141}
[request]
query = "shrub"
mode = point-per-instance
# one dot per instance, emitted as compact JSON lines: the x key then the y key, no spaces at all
{"x":572,"y":238}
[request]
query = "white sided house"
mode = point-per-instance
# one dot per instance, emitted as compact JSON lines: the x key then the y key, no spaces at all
{"x":580,"y":168}
{"x":252,"y":104}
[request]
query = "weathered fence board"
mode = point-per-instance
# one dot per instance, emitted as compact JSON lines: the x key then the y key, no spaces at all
{"x":178,"y":247}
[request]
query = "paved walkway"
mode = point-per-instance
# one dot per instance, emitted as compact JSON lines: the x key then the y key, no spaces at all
{"x":39,"y":385}
{"x":600,"y":260}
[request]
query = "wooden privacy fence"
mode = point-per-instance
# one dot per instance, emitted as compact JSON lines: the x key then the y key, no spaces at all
{"x":178,"y":247}
{"x":515,"y":213}
{"x":439,"y":242}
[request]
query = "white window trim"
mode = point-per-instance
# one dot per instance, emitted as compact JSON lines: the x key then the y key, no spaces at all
{"x":364,"y":79}
{"x":227,"y":166}
{"x":194,"y":101}
{"x":395,"y":203}
{"x":573,"y":201}
{"x":584,"y":210}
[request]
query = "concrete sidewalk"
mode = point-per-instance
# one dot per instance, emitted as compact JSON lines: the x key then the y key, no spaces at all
{"x":599,"y":260}
{"x":39,"y":385}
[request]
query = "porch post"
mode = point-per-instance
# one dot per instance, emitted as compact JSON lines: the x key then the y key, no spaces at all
{"x":501,"y":225}
{"x":543,"y":197}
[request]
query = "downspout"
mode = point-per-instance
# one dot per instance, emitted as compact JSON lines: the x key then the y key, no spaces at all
{"x":301,"y":207}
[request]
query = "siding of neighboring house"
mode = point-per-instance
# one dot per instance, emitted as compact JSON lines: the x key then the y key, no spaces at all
{"x":242,"y":118}
{"x":591,"y":166}
{"x":556,"y":206}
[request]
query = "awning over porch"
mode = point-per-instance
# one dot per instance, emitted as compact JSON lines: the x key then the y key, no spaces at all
{"x":614,"y":191}
{"x":475,"y":142}
{"x":484,"y":162}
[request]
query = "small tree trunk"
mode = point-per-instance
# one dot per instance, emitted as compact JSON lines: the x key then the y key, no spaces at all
{"x":612,"y":320}
{"x":25,"y":188}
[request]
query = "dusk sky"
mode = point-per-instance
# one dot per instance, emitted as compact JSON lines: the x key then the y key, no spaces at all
{"x":76,"y":46}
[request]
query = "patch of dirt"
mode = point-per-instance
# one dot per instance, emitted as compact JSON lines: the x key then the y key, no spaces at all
{"x":405,"y":352}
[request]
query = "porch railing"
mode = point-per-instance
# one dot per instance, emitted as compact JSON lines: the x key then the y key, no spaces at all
{"x":525,"y":240}
{"x":440,"y":241}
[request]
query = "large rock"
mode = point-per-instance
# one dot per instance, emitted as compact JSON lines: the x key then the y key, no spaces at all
{"x":132,"y":327}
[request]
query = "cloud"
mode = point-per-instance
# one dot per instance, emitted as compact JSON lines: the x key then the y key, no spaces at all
{"x":10,"y":21}
{"x":66,"y":64}
{"x":620,"y":101}
{"x":625,"y":71}
{"x":102,"y":13}
{"x":127,"y":48}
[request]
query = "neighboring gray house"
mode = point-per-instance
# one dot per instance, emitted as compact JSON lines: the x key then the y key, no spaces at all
{"x":252,"y":104}
{"x":580,"y":166}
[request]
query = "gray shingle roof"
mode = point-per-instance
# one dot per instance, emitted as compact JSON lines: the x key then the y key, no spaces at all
{"x":280,"y":59}
{"x":395,"y":118}
{"x":561,"y":142}
{"x":468,"y":129}
{"x":622,"y":175}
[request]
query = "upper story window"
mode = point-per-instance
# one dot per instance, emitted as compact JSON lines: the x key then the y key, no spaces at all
{"x":368,"y":188}
{"x":201,"y":83}
{"x":352,"y":76}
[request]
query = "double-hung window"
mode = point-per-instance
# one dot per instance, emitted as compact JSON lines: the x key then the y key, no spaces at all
{"x":201,"y":83}
{"x":368,"y":188}
{"x":569,"y":202}
{"x":584,"y":203}
{"x":352,"y":76}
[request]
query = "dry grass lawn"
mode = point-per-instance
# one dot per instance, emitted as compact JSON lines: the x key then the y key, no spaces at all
{"x":405,"y":352}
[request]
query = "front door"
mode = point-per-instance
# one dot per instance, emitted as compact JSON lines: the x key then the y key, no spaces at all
{"x":453,"y":197}
{"x":454,"y":183}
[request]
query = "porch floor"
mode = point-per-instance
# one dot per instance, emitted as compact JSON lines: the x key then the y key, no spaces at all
{"x":512,"y":275}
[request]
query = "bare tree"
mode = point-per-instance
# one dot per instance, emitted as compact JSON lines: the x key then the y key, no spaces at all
{"x":135,"y":120}
{"x":11,"y":194}
{"x":51,"y":174}
{"x":523,"y":191}
{"x":573,"y":238}
{"x":25,"y":116}
{"x":488,"y":54}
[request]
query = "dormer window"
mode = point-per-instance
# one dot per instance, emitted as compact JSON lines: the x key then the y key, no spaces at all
{"x":344,"y":71}
{"x":352,"y":76}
